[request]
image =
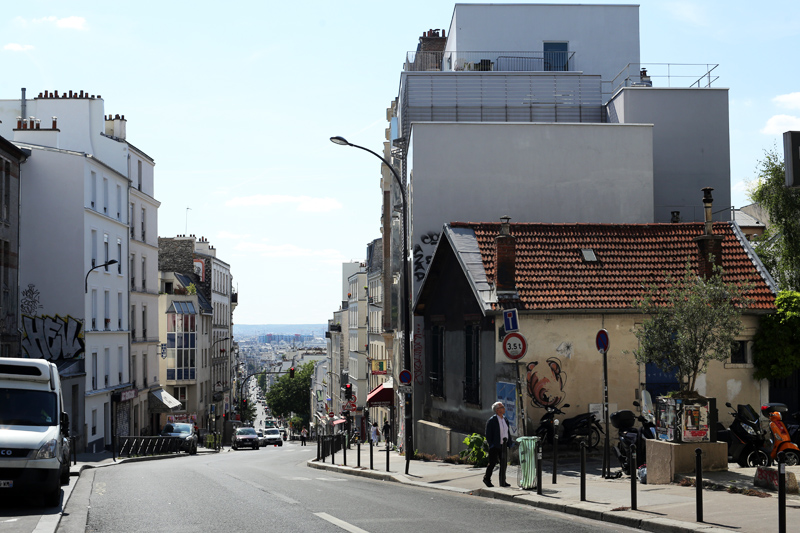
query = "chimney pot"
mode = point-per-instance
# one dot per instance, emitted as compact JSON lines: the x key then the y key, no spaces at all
{"x":505,"y":256}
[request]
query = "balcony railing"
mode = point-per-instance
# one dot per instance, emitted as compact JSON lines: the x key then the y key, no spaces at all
{"x":454,"y":60}
{"x":472,"y":393}
{"x":697,"y":75}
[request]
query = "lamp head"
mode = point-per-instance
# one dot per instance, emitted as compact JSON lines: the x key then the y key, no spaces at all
{"x":340,"y":140}
{"x":112,"y":262}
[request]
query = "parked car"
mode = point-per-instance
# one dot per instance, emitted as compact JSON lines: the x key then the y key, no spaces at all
{"x":273,"y":436}
{"x":185,"y":432}
{"x":262,"y":439}
{"x":245,"y":438}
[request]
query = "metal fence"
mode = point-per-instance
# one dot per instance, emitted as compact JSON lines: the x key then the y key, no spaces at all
{"x":138,"y":446}
{"x":503,"y":61}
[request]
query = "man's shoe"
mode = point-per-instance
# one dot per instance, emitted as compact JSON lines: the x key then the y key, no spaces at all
{"x":487,"y":482}
{"x":504,"y":484}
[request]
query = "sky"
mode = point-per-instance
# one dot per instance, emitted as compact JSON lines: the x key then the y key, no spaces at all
{"x":237,"y":104}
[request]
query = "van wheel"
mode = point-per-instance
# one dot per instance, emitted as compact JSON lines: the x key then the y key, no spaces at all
{"x":53,"y":498}
{"x":65,"y":475}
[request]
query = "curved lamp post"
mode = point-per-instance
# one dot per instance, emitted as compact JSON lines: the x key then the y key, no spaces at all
{"x":86,"y":280}
{"x":217,"y":441}
{"x":409,"y":444}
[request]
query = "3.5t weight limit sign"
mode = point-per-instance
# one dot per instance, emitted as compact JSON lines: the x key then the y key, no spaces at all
{"x":514,"y":346}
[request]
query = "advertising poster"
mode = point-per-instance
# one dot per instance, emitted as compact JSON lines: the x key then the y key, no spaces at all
{"x":507,"y":393}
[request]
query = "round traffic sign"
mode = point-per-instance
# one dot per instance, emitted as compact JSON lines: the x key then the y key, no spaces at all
{"x":514,"y":346}
{"x":602,"y":341}
{"x":405,"y":376}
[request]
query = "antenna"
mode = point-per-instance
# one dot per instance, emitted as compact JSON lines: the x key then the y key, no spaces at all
{"x":186,"y":231}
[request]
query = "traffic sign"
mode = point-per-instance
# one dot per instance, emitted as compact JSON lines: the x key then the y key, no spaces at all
{"x":602,"y":341}
{"x":405,"y":376}
{"x":510,"y":321}
{"x":350,"y":406}
{"x":514,"y":346}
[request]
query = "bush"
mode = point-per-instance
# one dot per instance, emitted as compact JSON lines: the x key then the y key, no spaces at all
{"x":477,"y":452}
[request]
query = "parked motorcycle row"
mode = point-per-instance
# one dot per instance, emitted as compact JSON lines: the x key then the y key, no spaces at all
{"x":749,"y":443}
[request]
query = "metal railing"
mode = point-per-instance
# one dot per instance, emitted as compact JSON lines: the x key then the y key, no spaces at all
{"x":495,"y":61}
{"x":138,"y":446}
{"x":699,"y":75}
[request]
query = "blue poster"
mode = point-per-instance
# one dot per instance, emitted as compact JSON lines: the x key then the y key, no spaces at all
{"x":507,"y":393}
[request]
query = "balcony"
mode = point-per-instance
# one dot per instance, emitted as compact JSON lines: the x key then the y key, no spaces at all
{"x":457,"y":61}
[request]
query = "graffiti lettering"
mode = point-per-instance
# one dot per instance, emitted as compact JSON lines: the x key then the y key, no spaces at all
{"x":430,"y":238}
{"x":422,"y":258}
{"x":51,"y":338}
{"x":29,"y":301}
{"x":546,"y":384}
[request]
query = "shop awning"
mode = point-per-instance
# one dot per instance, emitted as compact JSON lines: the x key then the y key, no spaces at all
{"x":382,"y":395}
{"x":164,"y":401}
{"x":339,"y":421}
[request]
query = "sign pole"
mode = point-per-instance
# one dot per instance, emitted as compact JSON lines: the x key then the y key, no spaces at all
{"x":603,"y":343}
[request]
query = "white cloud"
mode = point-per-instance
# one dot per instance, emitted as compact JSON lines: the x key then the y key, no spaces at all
{"x":235,"y":236}
{"x":688,"y":12}
{"x":71,"y":23}
{"x":304,"y":203}
{"x":789,"y":101}
{"x":778,"y":124}
{"x":15,"y":47}
{"x":293,"y":251}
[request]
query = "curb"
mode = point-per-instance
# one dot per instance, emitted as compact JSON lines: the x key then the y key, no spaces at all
{"x":592,"y":511}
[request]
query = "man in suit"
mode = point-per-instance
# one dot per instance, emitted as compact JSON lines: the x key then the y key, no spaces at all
{"x":499,"y":440}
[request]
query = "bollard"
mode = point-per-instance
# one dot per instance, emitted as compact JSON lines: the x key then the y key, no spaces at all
{"x":634,"y":471}
{"x":538,"y":468}
{"x":583,"y":470}
{"x":698,"y":469}
{"x":333,"y":449}
{"x":73,"y":442}
{"x":555,"y":450}
{"x":781,"y":493}
{"x":358,"y":452}
{"x":387,"y":455}
{"x":370,"y":455}
{"x":345,"y":445}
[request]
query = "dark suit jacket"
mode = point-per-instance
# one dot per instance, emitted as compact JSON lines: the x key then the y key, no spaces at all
{"x":493,"y":432}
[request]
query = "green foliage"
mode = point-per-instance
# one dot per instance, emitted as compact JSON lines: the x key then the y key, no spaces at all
{"x":191,"y":289}
{"x":477,"y":452}
{"x":292,"y":395}
{"x":247,"y":412}
{"x":691,"y":322}
{"x":776,"y":345}
{"x":779,"y":247}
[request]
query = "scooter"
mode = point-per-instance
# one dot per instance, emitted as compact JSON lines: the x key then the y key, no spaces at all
{"x":634,"y":438}
{"x":792,"y":422}
{"x":583,"y":425}
{"x":781,"y":441}
{"x":745,"y":437}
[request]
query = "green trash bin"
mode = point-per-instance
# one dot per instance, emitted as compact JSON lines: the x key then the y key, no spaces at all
{"x":526,"y":475}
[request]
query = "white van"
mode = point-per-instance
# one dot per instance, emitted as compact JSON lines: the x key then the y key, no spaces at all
{"x":34,"y":429}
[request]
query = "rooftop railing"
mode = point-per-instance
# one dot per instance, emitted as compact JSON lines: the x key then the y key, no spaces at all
{"x":450,"y":61}
{"x":699,"y":75}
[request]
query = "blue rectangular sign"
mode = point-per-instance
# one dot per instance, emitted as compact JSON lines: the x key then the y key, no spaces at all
{"x":510,"y":320}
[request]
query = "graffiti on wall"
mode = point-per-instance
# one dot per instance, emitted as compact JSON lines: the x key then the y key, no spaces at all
{"x":52,"y":338}
{"x":423,"y":256}
{"x":546,"y":383}
{"x":29,"y":300}
{"x":419,"y":348}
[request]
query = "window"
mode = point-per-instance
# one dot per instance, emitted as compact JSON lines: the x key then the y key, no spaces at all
{"x":105,"y":250}
{"x":131,"y":221}
{"x":472,"y":364}
{"x":119,"y":256}
{"x":143,"y":225}
{"x":144,"y":321}
{"x":144,"y":369}
{"x":94,"y":190}
{"x":119,"y":363}
{"x":556,"y":57}
{"x":119,"y":311}
{"x":739,"y":353}
{"x":133,"y":321}
{"x":180,"y":394}
{"x":94,"y":421}
{"x":181,"y":337}
{"x":107,"y":365}
{"x":436,"y":375}
{"x":106,"y":311}
{"x":133,"y":272}
{"x":144,"y":274}
{"x":105,"y":196}
{"x":94,"y":309}
{"x":94,"y":370}
{"x":139,"y":175}
{"x":119,"y":202}
{"x":5,"y":181}
{"x":134,"y":371}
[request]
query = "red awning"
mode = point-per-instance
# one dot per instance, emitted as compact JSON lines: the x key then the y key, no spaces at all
{"x":340,"y":421}
{"x":382,"y":395}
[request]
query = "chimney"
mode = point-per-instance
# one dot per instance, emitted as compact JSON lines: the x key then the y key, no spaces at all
{"x":709,"y":245}
{"x":505,"y":252}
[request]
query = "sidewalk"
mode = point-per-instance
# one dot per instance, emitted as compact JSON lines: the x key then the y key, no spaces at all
{"x":659,"y":507}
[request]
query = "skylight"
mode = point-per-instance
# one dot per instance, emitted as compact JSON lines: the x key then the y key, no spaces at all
{"x":588,"y":255}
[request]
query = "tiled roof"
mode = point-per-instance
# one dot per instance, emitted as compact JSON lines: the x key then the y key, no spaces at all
{"x":551,"y":274}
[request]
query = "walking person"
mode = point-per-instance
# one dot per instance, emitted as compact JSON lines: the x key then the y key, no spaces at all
{"x":499,"y":440}
{"x":387,"y":431}
{"x":375,"y":435}
{"x":303,"y":435}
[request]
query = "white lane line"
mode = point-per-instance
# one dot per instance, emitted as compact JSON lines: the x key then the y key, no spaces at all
{"x":340,"y":523}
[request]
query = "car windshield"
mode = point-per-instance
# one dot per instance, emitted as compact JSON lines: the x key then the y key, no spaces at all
{"x":245,"y":431}
{"x":182,"y":428}
{"x":273,"y":432}
{"x":22,"y":407}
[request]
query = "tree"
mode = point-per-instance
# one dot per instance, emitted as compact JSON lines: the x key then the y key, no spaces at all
{"x":247,"y":411}
{"x":691,"y":321}
{"x":776,"y":345}
{"x":292,"y":395}
{"x":779,"y":247}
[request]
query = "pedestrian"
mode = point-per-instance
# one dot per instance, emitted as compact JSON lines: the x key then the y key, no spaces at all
{"x":375,"y":433}
{"x":387,"y":430}
{"x":499,"y":440}
{"x":303,"y":435}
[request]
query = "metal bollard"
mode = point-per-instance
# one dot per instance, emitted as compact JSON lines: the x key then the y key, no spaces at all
{"x":781,"y":493}
{"x":538,"y":468}
{"x":333,"y":449}
{"x":698,"y":468}
{"x":555,"y":450}
{"x":634,"y":471}
{"x":370,"y":454}
{"x":358,"y":452}
{"x":583,"y":470}
{"x":387,"y":456}
{"x":345,"y":445}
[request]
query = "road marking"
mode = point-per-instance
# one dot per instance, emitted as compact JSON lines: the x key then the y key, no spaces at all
{"x":341,"y":523}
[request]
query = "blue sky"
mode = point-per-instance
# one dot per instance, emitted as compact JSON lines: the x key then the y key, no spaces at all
{"x":236,"y":103}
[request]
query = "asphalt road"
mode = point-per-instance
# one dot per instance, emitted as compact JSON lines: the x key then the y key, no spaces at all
{"x":272,"y":489}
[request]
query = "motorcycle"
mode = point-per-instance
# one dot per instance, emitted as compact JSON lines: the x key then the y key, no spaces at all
{"x":745,"y":437}
{"x":583,"y":425}
{"x":781,"y":440}
{"x":634,"y":438}
{"x":792,"y":422}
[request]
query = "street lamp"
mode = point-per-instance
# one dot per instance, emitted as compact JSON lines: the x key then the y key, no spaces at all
{"x":216,"y":412}
{"x":409,"y":444}
{"x":86,"y":280}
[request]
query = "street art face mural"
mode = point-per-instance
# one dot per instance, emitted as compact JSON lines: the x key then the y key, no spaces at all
{"x":52,"y":338}
{"x":546,"y":383}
